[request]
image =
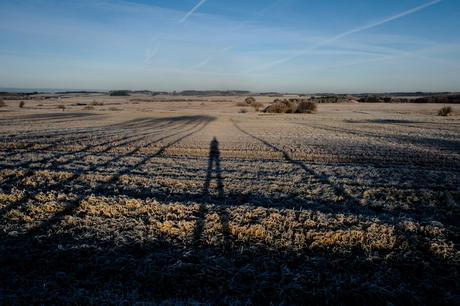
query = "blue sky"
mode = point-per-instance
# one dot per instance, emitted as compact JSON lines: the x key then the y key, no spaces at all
{"x":260,"y":45}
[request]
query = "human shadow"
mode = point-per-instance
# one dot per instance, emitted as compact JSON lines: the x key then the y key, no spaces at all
{"x":213,"y":168}
{"x":214,"y":162}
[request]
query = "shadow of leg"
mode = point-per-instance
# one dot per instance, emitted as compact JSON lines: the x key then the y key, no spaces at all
{"x":213,"y":167}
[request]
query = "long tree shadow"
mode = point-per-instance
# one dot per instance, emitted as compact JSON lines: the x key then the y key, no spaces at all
{"x":198,"y":124}
{"x":70,"y":134}
{"x":127,"y":138}
{"x":354,"y":206}
{"x":65,"y":185}
{"x":150,"y":125}
{"x":55,"y":117}
{"x":109,"y":135}
{"x":448,"y":145}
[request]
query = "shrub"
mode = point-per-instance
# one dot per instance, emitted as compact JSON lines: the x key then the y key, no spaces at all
{"x":387,"y":99}
{"x":61,"y":107}
{"x":306,"y":107}
{"x":277,"y":107}
{"x":96,"y":103}
{"x":291,"y":106}
{"x":2,"y":103}
{"x":114,"y":109}
{"x":22,"y":104}
{"x":88,"y":107}
{"x":370,"y":99}
{"x":257,"y":105}
{"x":119,"y":93}
{"x":445,"y":111}
{"x":250,"y":100}
{"x":242,"y":104}
{"x":243,"y":111}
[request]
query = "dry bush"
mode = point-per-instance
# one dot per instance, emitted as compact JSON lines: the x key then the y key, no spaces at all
{"x":278,"y":107}
{"x":306,"y":107}
{"x":61,"y":107}
{"x":243,"y":111}
{"x":88,"y":107}
{"x":281,"y":106}
{"x":250,"y":100}
{"x":257,"y":105}
{"x":2,"y":103}
{"x":242,"y":104}
{"x":445,"y":111}
{"x":96,"y":103}
{"x":22,"y":104}
{"x":114,"y":109}
{"x":291,"y":106}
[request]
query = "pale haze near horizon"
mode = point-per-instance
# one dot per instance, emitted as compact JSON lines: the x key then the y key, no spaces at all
{"x":287,"y":45}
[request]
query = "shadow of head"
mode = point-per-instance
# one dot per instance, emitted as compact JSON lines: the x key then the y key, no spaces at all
{"x":214,"y":146}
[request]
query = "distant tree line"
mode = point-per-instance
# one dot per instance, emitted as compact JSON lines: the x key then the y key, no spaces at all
{"x":119,"y":93}
{"x":446,"y":99}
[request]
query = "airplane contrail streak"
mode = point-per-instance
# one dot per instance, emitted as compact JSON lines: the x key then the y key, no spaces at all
{"x":192,"y":11}
{"x":345,"y":34}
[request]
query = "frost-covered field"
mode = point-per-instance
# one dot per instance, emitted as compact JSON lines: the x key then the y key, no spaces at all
{"x":195,"y":202}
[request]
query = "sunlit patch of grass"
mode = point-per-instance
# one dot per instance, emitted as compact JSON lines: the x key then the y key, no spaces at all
{"x":10,"y":197}
{"x":44,"y":210}
{"x":274,"y":228}
{"x":95,"y":179}
{"x":6,"y":173}
{"x":46,"y":177}
{"x":18,"y":216}
{"x":444,"y":249}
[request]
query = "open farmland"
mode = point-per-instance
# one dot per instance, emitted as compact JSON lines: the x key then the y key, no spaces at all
{"x":192,"y":201}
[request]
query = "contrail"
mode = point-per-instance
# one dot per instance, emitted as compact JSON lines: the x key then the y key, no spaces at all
{"x":256,"y":15}
{"x":151,"y":52}
{"x":192,"y":11}
{"x":208,"y":59}
{"x":345,"y":34}
{"x":237,"y":28}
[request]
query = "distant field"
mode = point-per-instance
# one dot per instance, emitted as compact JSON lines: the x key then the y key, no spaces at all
{"x":132,"y":200}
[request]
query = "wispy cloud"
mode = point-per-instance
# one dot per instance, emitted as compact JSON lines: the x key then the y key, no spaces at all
{"x":189,"y":13}
{"x":345,"y":34}
{"x":152,"y":51}
{"x":257,"y":14}
{"x":237,"y":28}
{"x":208,"y":59}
